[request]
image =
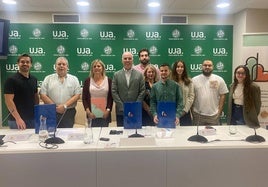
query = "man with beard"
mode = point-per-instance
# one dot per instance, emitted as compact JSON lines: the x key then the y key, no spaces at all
{"x":166,"y":90}
{"x":144,"y":58}
{"x":64,"y":90}
{"x":21,"y":94}
{"x":210,"y":91}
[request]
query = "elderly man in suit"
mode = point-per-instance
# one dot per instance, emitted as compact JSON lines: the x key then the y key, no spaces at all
{"x":127,"y":86}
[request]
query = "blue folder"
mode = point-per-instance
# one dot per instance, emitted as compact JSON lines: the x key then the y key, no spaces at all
{"x":48,"y":111}
{"x":132,"y":115}
{"x":166,"y":113}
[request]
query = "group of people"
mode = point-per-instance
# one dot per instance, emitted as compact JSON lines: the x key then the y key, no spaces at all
{"x":199,"y":100}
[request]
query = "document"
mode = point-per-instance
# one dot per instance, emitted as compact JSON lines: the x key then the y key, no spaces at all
{"x":49,"y":112}
{"x":166,"y":113}
{"x":132,"y":115}
{"x":98,"y":106}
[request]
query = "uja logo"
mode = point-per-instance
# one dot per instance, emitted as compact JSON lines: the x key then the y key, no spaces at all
{"x":133,"y":50}
{"x":106,"y":34}
{"x":36,"y":50}
{"x":219,"y":51}
{"x":12,"y":67}
{"x":174,"y":51}
{"x":110,"y":67}
{"x":14,"y":34}
{"x":153,"y":35}
{"x":59,"y":34}
{"x":198,"y":35}
{"x":196,"y":67}
{"x":83,"y":51}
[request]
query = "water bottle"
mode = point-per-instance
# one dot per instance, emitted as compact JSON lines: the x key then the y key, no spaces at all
{"x":88,"y":134}
{"x":43,"y":133}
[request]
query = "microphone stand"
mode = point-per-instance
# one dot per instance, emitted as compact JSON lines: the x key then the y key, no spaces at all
{"x":197,"y":137}
{"x":255,"y":138}
{"x":54,"y":139}
{"x":136,"y":135}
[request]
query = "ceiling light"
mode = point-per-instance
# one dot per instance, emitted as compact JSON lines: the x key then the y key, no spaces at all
{"x":153,"y":4}
{"x":9,"y":2}
{"x":223,"y":5}
{"x":82,"y":3}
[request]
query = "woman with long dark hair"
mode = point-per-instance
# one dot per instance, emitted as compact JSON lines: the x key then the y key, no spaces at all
{"x":244,"y":99}
{"x":180,"y":75}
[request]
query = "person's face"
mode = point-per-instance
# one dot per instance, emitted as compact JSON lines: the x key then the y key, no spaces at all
{"x":97,"y":68}
{"x":61,"y":68}
{"x":150,"y":74}
{"x":164,"y":72}
{"x":127,"y":60}
{"x":207,"y":68}
{"x":240,"y":75}
{"x":144,"y":58}
{"x":24,"y":64}
{"x":180,"y":68}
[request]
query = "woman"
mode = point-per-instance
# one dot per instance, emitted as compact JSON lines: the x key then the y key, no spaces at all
{"x":150,"y":76}
{"x":244,"y":99}
{"x":179,"y":75}
{"x":97,"y":96}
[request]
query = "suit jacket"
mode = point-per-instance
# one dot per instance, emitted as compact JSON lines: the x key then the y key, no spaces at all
{"x":250,"y":114}
{"x":121,"y":92}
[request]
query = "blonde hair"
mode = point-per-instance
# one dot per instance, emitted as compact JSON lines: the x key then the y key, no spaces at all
{"x":150,"y":66}
{"x":91,"y":74}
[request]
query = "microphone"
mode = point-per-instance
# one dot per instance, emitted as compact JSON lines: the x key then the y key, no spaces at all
{"x":54,"y":139}
{"x":197,"y":137}
{"x":255,"y":138}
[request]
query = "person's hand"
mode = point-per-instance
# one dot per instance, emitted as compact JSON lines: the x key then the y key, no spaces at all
{"x":106,"y":114}
{"x":156,"y":119}
{"x":177,"y":121}
{"x":21,"y":124}
{"x":91,"y":115}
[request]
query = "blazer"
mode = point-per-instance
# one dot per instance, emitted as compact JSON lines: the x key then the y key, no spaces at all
{"x":250,"y":114}
{"x":121,"y":92}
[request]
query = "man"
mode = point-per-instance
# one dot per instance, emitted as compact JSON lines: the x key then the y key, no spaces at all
{"x":21,"y":94}
{"x":127,"y":86}
{"x":144,"y":58}
{"x":166,"y":90}
{"x":64,"y":90}
{"x":210,"y":92}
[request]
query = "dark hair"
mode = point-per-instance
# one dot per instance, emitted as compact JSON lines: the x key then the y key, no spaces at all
{"x":184,"y":76}
{"x":24,"y":55}
{"x":164,"y":64}
{"x":144,"y":49}
{"x":248,"y":98}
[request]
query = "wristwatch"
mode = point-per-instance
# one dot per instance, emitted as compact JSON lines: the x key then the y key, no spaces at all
{"x":108,"y":109}
{"x":65,"y":106}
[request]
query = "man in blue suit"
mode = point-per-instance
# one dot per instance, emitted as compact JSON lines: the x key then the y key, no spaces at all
{"x":127,"y":86}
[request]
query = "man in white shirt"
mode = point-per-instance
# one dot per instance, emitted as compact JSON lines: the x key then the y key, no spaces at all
{"x":210,"y":92}
{"x":64,"y":90}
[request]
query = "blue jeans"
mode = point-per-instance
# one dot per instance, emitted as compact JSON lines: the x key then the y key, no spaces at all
{"x":237,"y":117}
{"x":13,"y":125}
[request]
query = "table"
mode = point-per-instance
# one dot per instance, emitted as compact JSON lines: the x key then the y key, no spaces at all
{"x":170,"y":162}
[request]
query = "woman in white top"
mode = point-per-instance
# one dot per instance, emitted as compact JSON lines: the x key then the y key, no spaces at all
{"x":244,"y":99}
{"x":179,"y":75}
{"x":97,"y":96}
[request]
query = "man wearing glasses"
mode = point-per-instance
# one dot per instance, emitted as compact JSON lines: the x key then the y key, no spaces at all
{"x":210,"y":92}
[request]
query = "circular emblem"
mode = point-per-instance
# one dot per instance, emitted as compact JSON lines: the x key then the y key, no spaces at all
{"x":198,"y":50}
{"x":108,"y":50}
{"x":36,"y":32}
{"x":176,"y":33}
{"x":37,"y":66}
{"x":130,"y":33}
{"x":153,"y":50}
{"x":84,"y":33}
{"x":220,"y":66}
{"x":13,"y":49}
{"x":220,"y":34}
{"x":60,"y":49}
{"x":85,"y":66}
